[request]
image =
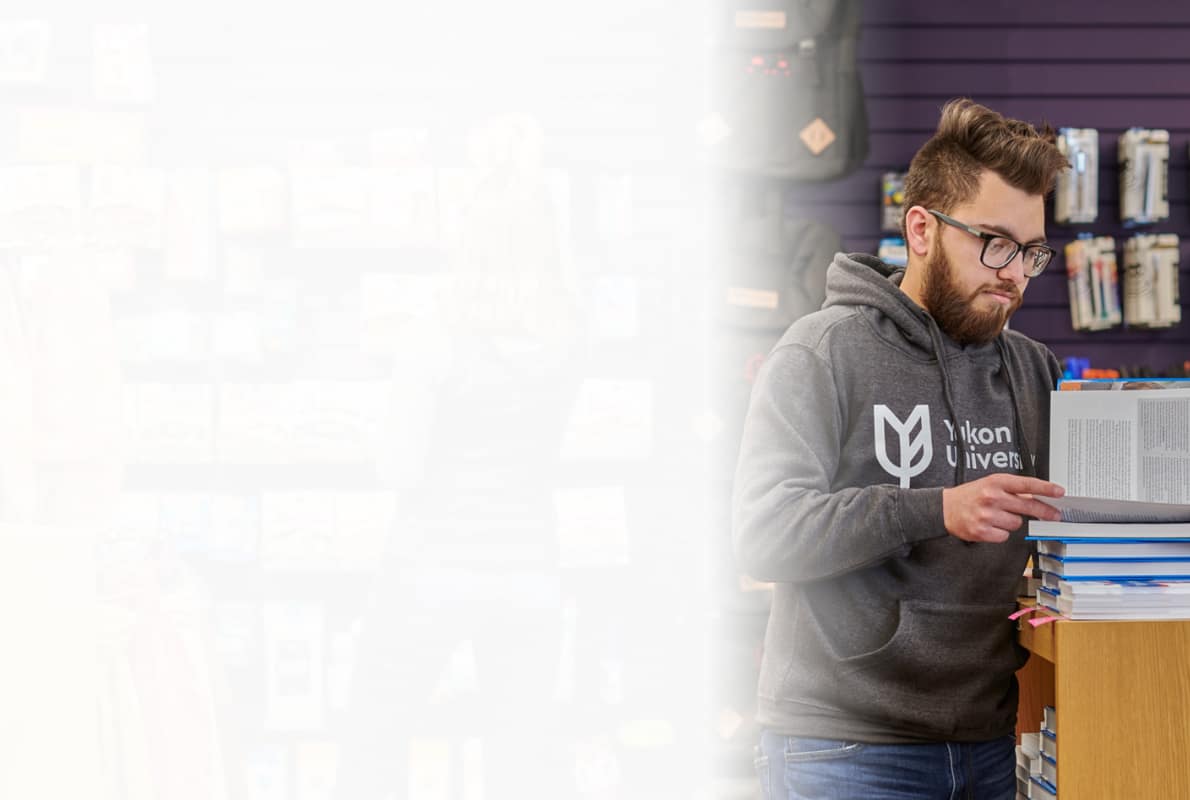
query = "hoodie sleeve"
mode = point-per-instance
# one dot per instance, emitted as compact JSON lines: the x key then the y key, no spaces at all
{"x":788,"y":524}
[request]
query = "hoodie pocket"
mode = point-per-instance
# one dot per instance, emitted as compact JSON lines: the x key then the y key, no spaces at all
{"x":947,"y":667}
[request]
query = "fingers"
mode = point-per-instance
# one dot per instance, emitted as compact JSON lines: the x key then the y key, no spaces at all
{"x":991,"y":508}
{"x":1023,"y":484}
{"x":989,"y":532}
{"x":1026,"y":506}
{"x":997,"y":525}
{"x":995,"y":536}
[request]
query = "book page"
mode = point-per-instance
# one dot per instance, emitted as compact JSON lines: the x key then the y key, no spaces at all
{"x":1122,"y":445}
{"x":1096,"y":509}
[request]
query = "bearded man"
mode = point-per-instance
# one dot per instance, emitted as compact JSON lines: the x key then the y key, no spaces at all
{"x":894,"y":443}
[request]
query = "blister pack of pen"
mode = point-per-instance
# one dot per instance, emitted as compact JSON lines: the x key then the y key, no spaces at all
{"x":892,"y":199}
{"x":1076,"y":199}
{"x":1144,"y":176}
{"x":1151,"y":281}
{"x":1091,"y":277}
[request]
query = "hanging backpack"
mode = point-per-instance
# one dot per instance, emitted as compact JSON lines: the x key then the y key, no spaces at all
{"x":787,"y":100}
{"x":771,"y":270}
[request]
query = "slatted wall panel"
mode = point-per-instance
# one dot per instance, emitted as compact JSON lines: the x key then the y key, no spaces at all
{"x":1108,"y":66}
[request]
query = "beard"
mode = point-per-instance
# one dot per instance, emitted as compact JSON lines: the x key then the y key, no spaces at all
{"x":957,"y":314}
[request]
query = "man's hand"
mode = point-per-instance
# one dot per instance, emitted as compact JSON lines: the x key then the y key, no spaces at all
{"x":988,"y":509}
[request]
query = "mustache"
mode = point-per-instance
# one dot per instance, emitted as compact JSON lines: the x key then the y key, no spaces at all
{"x":1008,"y":288}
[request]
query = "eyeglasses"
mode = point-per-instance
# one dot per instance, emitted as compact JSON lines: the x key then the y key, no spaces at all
{"x":999,"y":251}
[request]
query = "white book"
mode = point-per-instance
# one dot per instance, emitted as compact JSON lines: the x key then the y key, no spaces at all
{"x":1115,"y":591}
{"x":1114,"y":600}
{"x":1073,"y":610}
{"x":1113,"y":549}
{"x":1044,"y":529}
{"x":1041,"y":791}
{"x":1049,"y":770}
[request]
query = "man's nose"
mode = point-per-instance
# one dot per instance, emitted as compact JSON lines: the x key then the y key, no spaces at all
{"x":1014,"y":270}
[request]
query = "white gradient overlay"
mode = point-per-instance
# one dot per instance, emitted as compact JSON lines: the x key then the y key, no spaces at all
{"x":353,"y":420}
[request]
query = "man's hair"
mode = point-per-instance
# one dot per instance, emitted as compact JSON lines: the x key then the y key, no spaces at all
{"x":971,"y":138}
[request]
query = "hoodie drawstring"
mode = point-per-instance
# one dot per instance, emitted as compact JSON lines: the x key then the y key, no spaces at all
{"x":1023,"y":444}
{"x":960,"y":469}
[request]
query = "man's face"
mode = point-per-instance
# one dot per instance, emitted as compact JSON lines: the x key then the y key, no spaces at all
{"x":972,"y":302}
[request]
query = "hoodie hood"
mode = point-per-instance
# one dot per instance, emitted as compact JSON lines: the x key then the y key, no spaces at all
{"x":859,"y":279}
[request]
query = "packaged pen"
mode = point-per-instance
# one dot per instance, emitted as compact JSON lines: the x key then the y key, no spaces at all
{"x":1151,"y":297}
{"x":892,"y":199}
{"x":1144,"y":176}
{"x":1076,"y":199}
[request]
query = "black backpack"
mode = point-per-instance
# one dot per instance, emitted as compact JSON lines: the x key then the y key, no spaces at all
{"x":787,"y":100}
{"x":771,"y":270}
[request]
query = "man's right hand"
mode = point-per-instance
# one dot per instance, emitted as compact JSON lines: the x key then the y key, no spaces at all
{"x":988,"y":509}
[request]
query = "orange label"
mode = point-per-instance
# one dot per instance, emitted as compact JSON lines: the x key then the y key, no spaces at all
{"x":817,"y":136}
{"x":760,"y":19}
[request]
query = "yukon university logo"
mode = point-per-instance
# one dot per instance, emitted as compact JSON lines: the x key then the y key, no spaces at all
{"x":915,"y":450}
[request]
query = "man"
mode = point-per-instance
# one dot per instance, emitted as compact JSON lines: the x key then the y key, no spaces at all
{"x":893,"y":445}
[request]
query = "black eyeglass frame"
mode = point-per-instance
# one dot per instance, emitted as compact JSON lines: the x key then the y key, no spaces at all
{"x":987,"y":239}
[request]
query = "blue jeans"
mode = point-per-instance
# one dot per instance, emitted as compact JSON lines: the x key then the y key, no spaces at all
{"x":796,"y":768}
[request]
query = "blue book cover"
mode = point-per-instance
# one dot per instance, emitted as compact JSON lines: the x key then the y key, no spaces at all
{"x":1116,"y":568}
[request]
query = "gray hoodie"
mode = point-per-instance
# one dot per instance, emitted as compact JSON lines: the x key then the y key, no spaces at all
{"x":885,"y":628}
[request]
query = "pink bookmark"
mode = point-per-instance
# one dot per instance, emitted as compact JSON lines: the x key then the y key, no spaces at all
{"x":1037,"y":622}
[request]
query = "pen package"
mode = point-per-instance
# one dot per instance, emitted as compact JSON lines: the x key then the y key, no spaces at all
{"x":1076,"y":199}
{"x":1144,"y":176}
{"x":1151,"y":281}
{"x":1091,"y":276}
{"x":892,"y":199}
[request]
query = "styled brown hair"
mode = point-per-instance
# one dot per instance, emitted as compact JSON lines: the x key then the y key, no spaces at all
{"x":971,"y":138}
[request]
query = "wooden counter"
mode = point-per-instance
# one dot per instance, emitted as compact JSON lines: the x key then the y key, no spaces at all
{"x":1122,"y":694}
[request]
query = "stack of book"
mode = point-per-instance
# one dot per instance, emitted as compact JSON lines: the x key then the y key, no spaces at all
{"x":1106,"y":570}
{"x":1028,"y":762}
{"x":1122,"y":549}
{"x":1037,"y":760}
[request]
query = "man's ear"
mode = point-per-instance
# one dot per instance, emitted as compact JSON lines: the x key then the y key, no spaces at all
{"x":919,"y":228}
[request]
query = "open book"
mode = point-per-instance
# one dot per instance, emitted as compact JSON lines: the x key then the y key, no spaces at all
{"x":1122,"y":456}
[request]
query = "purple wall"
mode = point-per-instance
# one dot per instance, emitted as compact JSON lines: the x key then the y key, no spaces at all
{"x":1097,"y":65}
